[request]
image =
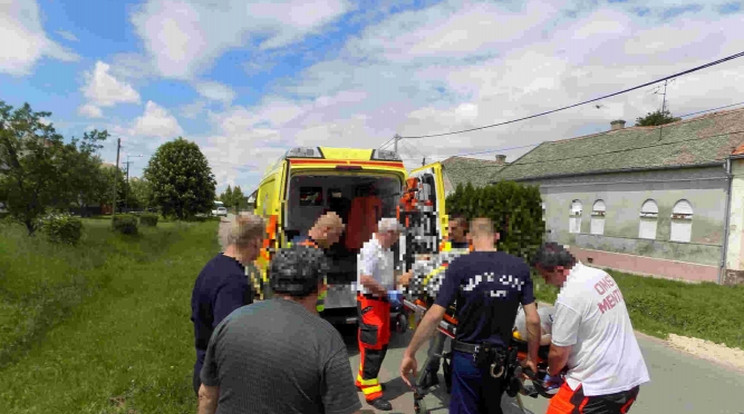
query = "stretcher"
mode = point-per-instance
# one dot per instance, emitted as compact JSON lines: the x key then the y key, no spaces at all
{"x":514,"y":373}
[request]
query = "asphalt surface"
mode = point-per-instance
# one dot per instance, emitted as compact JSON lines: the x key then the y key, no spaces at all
{"x":680,"y":383}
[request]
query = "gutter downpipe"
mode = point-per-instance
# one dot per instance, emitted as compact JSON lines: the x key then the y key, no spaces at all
{"x":727,"y":218}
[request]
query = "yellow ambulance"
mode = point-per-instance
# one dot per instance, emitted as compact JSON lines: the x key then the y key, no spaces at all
{"x":306,"y":182}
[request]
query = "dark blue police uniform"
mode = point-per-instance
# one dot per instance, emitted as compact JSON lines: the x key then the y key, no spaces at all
{"x":487,"y":288}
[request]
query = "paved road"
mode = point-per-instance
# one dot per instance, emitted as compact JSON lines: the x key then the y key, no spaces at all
{"x":680,"y":383}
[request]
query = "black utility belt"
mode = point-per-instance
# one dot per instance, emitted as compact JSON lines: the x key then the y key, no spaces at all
{"x":484,"y":356}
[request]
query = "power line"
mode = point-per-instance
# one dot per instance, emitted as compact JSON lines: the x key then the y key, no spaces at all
{"x":707,"y":65}
{"x":710,"y":110}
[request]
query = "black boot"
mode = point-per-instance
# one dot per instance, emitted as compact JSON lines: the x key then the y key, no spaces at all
{"x":381,"y":404}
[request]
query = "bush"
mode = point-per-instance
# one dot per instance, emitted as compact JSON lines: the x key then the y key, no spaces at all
{"x":62,"y":228}
{"x":515,"y":209}
{"x":149,"y":219}
{"x":125,"y":224}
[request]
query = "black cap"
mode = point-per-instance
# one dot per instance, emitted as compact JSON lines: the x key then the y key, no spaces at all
{"x":297,"y":271}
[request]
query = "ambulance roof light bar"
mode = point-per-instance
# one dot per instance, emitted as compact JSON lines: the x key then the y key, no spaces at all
{"x":304,"y":152}
{"x":385,"y":155}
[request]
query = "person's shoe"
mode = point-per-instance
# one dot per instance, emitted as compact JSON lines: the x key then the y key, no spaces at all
{"x":381,"y":404}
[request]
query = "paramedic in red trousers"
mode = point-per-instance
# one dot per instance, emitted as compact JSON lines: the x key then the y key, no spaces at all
{"x":592,"y":336}
{"x":375,"y":267}
{"x":488,"y":286}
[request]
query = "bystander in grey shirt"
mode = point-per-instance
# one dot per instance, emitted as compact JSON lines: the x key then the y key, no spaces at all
{"x":276,"y":357}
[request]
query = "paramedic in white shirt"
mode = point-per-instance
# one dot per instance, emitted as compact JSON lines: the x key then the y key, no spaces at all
{"x":592,"y":338}
{"x":375,"y":278}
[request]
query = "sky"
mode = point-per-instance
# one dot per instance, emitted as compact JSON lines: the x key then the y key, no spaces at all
{"x":248,"y":80}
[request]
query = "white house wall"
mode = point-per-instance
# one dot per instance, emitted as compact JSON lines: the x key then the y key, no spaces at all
{"x":623,"y":195}
{"x":735,"y":250}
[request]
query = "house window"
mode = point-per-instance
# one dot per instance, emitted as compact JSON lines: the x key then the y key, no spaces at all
{"x":681,"y":222}
{"x":598,"y":217}
{"x":574,"y":221}
{"x":649,"y":217}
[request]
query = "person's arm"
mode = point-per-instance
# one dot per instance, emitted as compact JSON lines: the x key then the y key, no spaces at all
{"x":565,"y":334}
{"x":339,"y":395}
{"x":532,"y":318}
{"x":532,"y":321}
{"x":430,"y":321}
{"x":208,"y":397}
{"x":424,"y":331}
{"x":371,"y":284}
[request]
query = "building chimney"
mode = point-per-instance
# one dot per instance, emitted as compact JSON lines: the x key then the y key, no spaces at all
{"x":619,"y":124}
{"x":500,"y":159}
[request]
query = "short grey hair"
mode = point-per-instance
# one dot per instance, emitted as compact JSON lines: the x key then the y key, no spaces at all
{"x":241,"y":230}
{"x":389,"y":224}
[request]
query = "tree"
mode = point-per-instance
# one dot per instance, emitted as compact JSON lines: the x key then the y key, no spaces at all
{"x":38,"y":171}
{"x":84,"y":183}
{"x":139,"y":193}
{"x":238,"y":199}
{"x":656,"y":118}
{"x":227,"y":197}
{"x":181,"y":180}
{"x":105,"y":189}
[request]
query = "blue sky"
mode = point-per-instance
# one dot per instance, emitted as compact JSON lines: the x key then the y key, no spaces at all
{"x":248,"y":80}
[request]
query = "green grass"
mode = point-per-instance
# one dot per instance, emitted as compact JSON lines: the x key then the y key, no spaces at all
{"x":659,"y":307}
{"x":108,"y":329}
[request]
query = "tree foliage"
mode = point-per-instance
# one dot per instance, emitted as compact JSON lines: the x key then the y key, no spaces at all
{"x":182,"y":182}
{"x":656,"y":118}
{"x":515,"y":209}
{"x":139,"y":194}
{"x":38,"y":171}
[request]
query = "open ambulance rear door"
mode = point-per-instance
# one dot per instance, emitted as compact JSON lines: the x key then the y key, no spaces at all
{"x":433,"y":227}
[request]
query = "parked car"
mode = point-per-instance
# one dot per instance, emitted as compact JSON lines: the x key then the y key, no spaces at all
{"x":220,"y":211}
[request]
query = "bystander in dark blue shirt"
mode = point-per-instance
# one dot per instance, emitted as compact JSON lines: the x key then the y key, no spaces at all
{"x":488,"y":288}
{"x":222,"y":287}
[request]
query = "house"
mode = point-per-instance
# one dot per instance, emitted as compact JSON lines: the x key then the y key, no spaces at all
{"x":462,"y":170}
{"x":663,"y":201}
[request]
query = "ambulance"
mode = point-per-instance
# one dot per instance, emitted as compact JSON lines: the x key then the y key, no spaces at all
{"x":361,"y":185}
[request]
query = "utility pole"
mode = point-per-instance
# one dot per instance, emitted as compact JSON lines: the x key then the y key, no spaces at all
{"x":118,"y":147}
{"x":126,"y":189}
{"x":396,"y":138}
{"x":423,"y":162}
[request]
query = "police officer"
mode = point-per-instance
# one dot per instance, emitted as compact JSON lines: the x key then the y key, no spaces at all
{"x":488,"y":287}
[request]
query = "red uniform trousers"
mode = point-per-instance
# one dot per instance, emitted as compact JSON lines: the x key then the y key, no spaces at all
{"x":374,"y":336}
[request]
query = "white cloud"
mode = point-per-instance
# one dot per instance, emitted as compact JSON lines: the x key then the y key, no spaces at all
{"x":184,"y":38}
{"x":216,"y":91}
{"x":24,"y":41}
{"x":91,"y":111}
{"x":156,"y":122}
{"x":103,"y":90}
{"x":193,"y":109}
{"x":68,"y":36}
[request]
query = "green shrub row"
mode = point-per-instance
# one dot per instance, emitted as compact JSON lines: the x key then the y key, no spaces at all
{"x":125,"y":223}
{"x":516,"y":211}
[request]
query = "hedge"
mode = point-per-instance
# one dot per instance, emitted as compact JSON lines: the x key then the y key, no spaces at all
{"x":125,"y":223}
{"x":515,"y":209}
{"x":149,"y":219}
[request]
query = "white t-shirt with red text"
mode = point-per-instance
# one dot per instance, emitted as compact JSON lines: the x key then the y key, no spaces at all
{"x":591,"y":316}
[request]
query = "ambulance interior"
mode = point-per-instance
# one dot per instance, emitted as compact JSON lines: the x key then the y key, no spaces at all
{"x":360,"y":200}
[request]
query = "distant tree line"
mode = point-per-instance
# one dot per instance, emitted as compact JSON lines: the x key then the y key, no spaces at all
{"x":40,"y":173}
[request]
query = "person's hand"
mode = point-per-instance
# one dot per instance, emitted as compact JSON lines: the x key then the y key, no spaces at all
{"x":405,"y":278}
{"x":408,"y":365}
{"x":552,"y":384}
{"x":529,"y":363}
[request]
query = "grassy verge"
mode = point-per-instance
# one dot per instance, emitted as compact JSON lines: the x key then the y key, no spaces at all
{"x":659,"y":307}
{"x":118,"y":339}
